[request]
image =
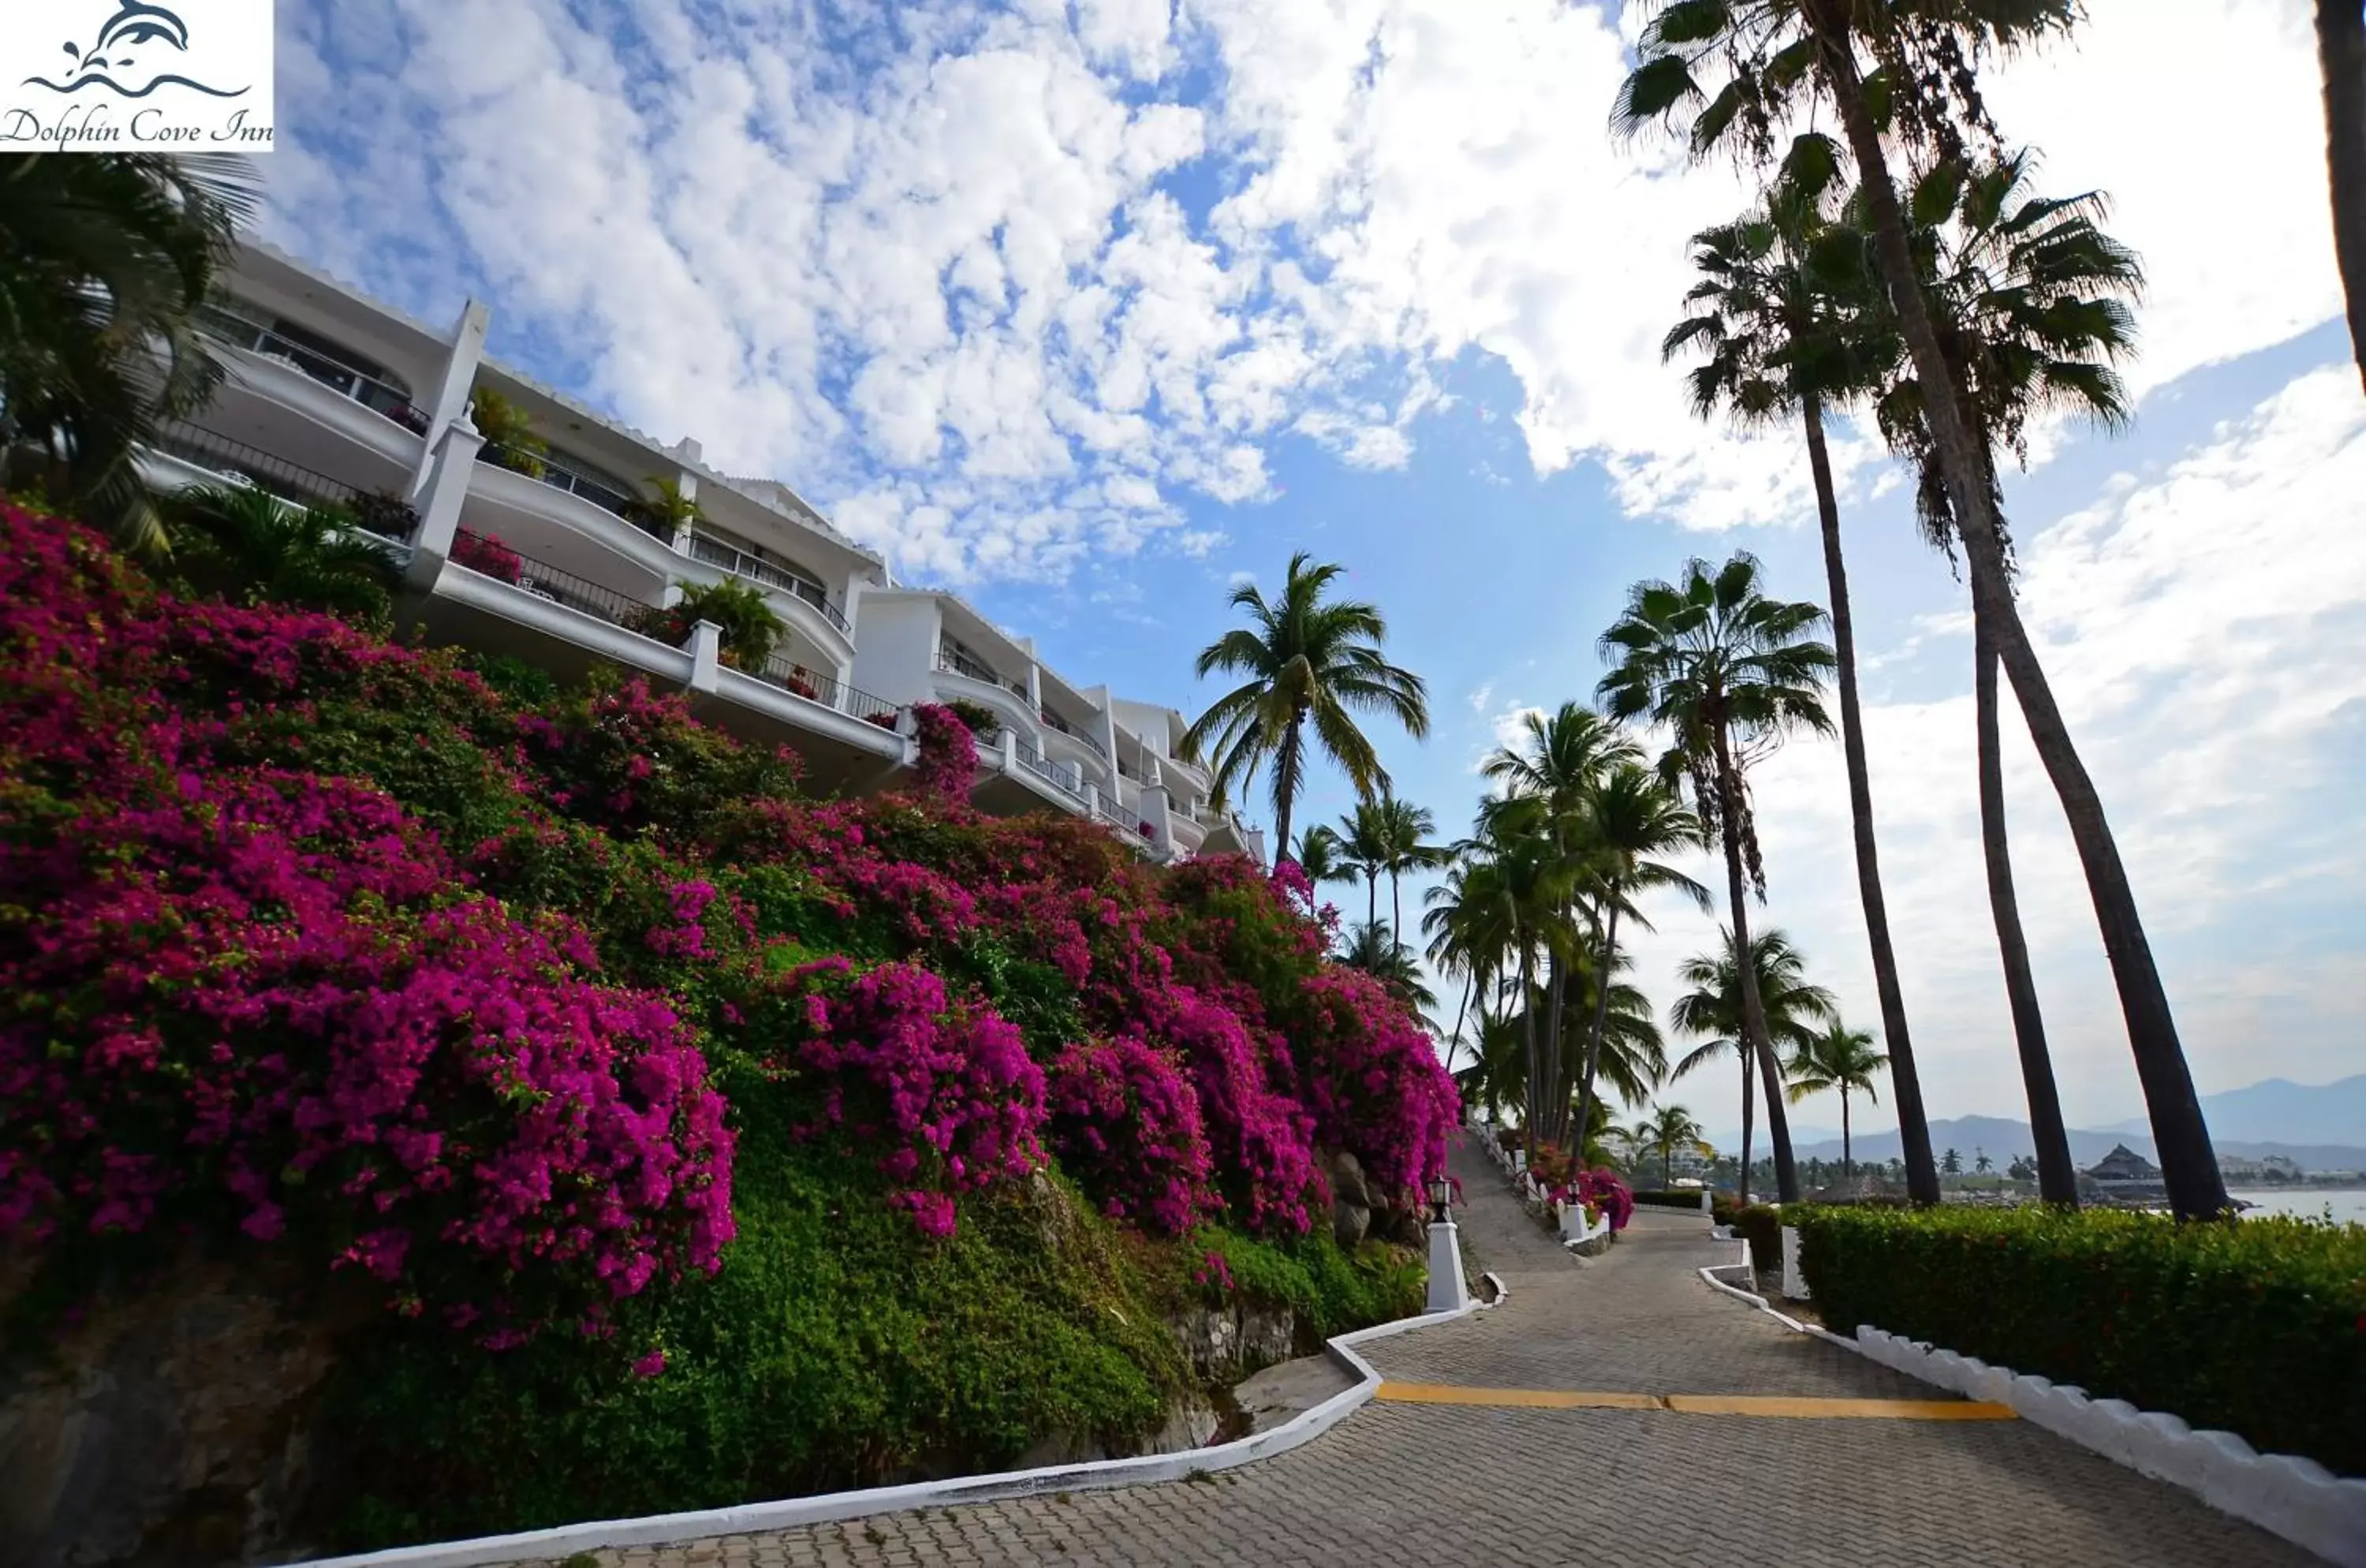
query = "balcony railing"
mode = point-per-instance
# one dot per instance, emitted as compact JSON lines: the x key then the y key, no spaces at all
{"x":1055,"y":721}
{"x":546,"y":582}
{"x":1035,"y":763}
{"x":962,"y":664}
{"x":1126,"y":829}
{"x":816,"y":687}
{"x":739,"y":563}
{"x":555,"y":472}
{"x":237,"y":460}
{"x":378,"y":396}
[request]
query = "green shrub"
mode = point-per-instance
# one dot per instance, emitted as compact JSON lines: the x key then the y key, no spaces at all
{"x":2258,"y":1327}
{"x":1668,"y":1197}
{"x":1761,"y":1224}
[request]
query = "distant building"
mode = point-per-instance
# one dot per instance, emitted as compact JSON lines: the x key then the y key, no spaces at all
{"x":2124,"y":1172}
{"x":2239,"y":1167}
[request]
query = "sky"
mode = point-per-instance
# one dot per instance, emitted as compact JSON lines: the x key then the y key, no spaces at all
{"x":1092,"y":310}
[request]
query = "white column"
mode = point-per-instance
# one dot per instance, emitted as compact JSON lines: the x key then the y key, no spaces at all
{"x":686,"y":477}
{"x":1447,"y":1291}
{"x":458,"y":382}
{"x":705,"y":650}
{"x":451,"y":462}
{"x":1157,"y":812}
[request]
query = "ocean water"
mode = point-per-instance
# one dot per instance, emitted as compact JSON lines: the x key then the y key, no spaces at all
{"x":2348,"y":1206}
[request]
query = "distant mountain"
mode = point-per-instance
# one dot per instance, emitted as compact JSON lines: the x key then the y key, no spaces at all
{"x":2280,"y":1111}
{"x":1727,"y":1141}
{"x":2003,"y":1140}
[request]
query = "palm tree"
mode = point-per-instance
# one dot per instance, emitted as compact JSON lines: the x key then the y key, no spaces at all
{"x":282,"y":551}
{"x":1321,"y":857}
{"x":1837,"y":1058}
{"x":1307,"y":661}
{"x":1779,"y":344}
{"x":1631,"y":817}
{"x":1364,"y":848}
{"x":1729,"y":672}
{"x":2030,"y":295}
{"x":2341,"y":55}
{"x":1789,"y":1005}
{"x":1982,"y":1163}
{"x":1952,"y":1163}
{"x":1375,"y":950}
{"x":1668,"y":1128}
{"x":1767,"y":58}
{"x":1405,"y":831}
{"x":106,"y":259}
{"x":1499,"y":912}
{"x":1496,"y":1079}
{"x":1554,"y":769}
{"x":1627,"y":1054}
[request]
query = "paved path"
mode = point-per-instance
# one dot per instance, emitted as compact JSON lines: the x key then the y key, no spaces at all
{"x":1415,"y":1485}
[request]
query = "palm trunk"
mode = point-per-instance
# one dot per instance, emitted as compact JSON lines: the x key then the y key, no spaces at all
{"x":1667,"y":1165}
{"x":1913,"y":1130}
{"x":1396,"y":908}
{"x":1285,"y":782}
{"x":1749,"y":1111}
{"x":1601,"y":1015}
{"x":2058,"y":1180}
{"x":1454,"y":1041}
{"x":1754,"y":1012}
{"x":1556,"y":1075}
{"x":2179,"y":1132}
{"x":1528,"y":1030}
{"x":1371,"y":897}
{"x":1848,"y":1158}
{"x":2341,"y":54}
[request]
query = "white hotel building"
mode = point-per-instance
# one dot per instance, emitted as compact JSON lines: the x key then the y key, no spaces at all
{"x":332,"y":396}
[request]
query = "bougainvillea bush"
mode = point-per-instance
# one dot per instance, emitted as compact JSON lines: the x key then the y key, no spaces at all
{"x":705,"y":1139}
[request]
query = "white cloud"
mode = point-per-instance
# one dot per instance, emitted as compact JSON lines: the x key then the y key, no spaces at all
{"x":941,"y":275}
{"x":2204,"y":633}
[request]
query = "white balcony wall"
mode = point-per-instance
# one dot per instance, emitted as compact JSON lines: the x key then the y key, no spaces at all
{"x":896,"y":654}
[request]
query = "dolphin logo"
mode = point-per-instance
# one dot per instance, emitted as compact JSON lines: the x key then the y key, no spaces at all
{"x":133,"y":24}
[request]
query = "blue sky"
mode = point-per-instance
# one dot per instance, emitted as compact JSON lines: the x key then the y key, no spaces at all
{"x":1087,"y":309}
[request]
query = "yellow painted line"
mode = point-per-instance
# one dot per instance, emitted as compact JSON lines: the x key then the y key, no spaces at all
{"x":1523,"y":1398}
{"x":1828,"y":1409}
{"x":1774,"y":1405}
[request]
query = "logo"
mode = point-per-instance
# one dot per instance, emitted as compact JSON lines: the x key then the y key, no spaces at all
{"x":130,"y":75}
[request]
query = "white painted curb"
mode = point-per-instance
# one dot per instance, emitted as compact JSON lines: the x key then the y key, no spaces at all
{"x":2284,"y":1494}
{"x":658,"y":1529}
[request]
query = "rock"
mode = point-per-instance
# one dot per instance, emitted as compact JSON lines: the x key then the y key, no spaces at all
{"x":177,"y":1427}
{"x":1279,"y":1392}
{"x":1268,"y":1334}
{"x":1351,"y":1196}
{"x":1209,"y":1338}
{"x":1405,"y":1227}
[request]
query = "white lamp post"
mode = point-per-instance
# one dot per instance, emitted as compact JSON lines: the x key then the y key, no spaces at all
{"x":1447,"y":1291}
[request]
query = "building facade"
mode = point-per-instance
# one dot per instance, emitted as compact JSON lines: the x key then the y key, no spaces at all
{"x":531,"y":525}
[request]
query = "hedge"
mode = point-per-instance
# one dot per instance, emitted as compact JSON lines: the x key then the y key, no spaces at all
{"x":1668,"y":1197}
{"x":2255,"y":1326}
{"x":1759,"y":1224}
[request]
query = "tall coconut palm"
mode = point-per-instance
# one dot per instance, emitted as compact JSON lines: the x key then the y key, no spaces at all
{"x":2030,"y":297}
{"x":1321,"y":857}
{"x":1737,"y":73}
{"x":1309,"y":661}
{"x":1496,"y":1079}
{"x":1789,"y":1007}
{"x":1729,"y":672}
{"x":1837,"y":1059}
{"x":1630,"y":1058}
{"x":1631,"y":817}
{"x":1668,"y":1128}
{"x":1405,"y":830}
{"x":105,"y":261}
{"x":1554,"y":767}
{"x":1779,"y":345}
{"x":1364,"y":848}
{"x":2341,"y":55}
{"x":257,"y":545}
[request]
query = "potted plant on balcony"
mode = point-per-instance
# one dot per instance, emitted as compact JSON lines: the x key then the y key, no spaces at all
{"x":669,"y":513}
{"x":740,"y":612}
{"x":385,"y":514}
{"x":484,"y":553}
{"x":980,"y":720}
{"x":510,"y":440}
{"x":884,"y":719}
{"x":1144,"y":827}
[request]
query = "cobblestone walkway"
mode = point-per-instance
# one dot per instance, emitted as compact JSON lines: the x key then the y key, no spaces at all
{"x":1408,"y":1485}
